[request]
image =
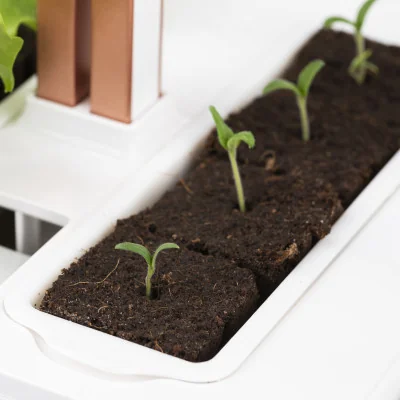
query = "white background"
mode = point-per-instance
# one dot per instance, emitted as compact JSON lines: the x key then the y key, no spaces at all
{"x":232,"y":33}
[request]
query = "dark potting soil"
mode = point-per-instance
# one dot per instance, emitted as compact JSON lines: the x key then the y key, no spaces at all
{"x":355,"y":129}
{"x":295,"y":192}
{"x":25,"y":64}
{"x":199,"y":302}
{"x":285,"y":216}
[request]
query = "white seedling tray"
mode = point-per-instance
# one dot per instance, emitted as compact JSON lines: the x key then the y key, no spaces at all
{"x":282,"y":341}
{"x":81,"y":345}
{"x":119,"y":357}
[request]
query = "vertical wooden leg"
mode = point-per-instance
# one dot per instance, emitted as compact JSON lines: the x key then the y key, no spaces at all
{"x":111,"y":75}
{"x":63,"y":50}
{"x":126,"y":57}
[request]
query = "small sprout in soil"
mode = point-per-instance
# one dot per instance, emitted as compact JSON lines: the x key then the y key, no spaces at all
{"x":150,"y":259}
{"x":360,"y":64}
{"x":230,"y":141}
{"x":301,"y":90}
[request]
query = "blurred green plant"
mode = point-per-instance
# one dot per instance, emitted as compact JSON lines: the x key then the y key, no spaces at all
{"x":301,"y":91}
{"x":360,"y":65}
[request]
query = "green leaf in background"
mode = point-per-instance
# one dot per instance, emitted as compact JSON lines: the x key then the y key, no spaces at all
{"x":246,"y":137}
{"x":301,"y":91}
{"x":333,"y":20}
{"x":372,"y":67}
{"x":281,"y":84}
{"x":223,"y":130}
{"x":360,"y":60}
{"x":362,"y":13}
{"x":9,"y":49}
{"x":13,"y":13}
{"x":307,"y":76}
{"x":17,"y":12}
{"x":360,"y":66}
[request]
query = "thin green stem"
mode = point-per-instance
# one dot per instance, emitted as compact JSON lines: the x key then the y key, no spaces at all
{"x":305,"y":123}
{"x":361,"y":72}
{"x":360,"y":43}
{"x":238,"y":180}
{"x":150,"y":273}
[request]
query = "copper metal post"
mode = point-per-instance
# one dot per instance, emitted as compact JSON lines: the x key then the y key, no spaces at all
{"x":63,"y":50}
{"x":112,"y":43}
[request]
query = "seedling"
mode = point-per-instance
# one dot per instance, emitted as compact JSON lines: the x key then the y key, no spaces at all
{"x":230,"y":141}
{"x":12,"y":14}
{"x":301,"y":90}
{"x":360,"y":65}
{"x":150,"y":259}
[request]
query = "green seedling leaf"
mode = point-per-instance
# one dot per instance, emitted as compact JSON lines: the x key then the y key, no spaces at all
{"x":359,"y":60}
{"x":372,"y":68}
{"x":333,"y":20}
{"x":360,"y":65}
{"x":363,"y":13}
{"x":246,"y":137}
{"x":223,"y":130}
{"x":165,"y":246}
{"x":307,"y":76}
{"x":136,"y":248}
{"x":281,"y":84}
{"x":358,"y":23}
{"x":17,"y":12}
{"x":9,"y":49}
{"x":230,"y":141}
{"x":301,"y":91}
{"x":150,"y":259}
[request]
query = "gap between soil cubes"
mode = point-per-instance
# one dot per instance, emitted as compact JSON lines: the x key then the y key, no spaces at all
{"x":230,"y":262}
